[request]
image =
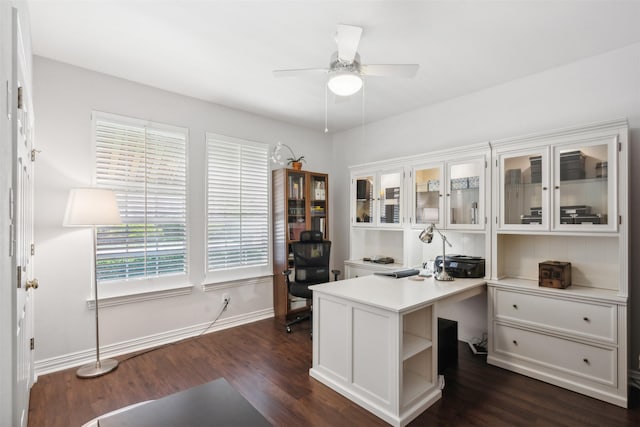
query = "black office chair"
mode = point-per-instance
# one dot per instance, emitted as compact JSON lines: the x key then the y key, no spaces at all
{"x":311,"y":266}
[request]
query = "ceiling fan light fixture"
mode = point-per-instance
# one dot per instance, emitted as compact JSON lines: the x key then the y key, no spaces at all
{"x":344,"y":83}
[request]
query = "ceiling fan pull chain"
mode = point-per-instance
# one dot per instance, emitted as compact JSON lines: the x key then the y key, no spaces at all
{"x":363,"y":86}
{"x":326,"y":128}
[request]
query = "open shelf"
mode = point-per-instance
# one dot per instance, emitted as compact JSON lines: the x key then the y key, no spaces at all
{"x":412,"y":345}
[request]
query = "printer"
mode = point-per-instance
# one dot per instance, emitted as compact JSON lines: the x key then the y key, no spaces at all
{"x":461,"y":265}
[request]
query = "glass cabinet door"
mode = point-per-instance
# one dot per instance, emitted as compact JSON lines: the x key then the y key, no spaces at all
{"x":584,"y":186}
{"x":318,"y":205}
{"x":389,"y":210}
{"x":523,"y":190}
{"x":296,"y":211}
{"x":427,"y":186}
{"x":465,"y":194}
{"x":364,"y":200}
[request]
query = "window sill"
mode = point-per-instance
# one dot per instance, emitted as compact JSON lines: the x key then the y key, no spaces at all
{"x":206,"y":287}
{"x":140,"y":296}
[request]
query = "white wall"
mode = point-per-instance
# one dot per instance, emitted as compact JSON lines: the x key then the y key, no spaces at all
{"x":64,"y":98}
{"x":595,"y":89}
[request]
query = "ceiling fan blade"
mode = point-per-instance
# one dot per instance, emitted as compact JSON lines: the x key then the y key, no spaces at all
{"x":347,"y":39}
{"x":389,"y":70}
{"x":299,"y":72}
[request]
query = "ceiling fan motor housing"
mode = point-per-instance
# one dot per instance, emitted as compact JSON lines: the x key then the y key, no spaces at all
{"x":336,"y":64}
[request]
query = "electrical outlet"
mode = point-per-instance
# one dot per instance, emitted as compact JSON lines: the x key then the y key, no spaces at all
{"x":225,"y":300}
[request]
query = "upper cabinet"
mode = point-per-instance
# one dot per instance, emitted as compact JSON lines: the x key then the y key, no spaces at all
{"x":377,"y":198}
{"x":565,"y":182}
{"x":428,"y":200}
{"x":450,"y":194}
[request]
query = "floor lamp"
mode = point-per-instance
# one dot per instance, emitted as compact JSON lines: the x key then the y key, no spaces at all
{"x":92,"y":207}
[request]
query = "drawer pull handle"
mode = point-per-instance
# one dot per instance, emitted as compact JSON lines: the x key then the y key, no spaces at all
{"x":515,"y":342}
{"x":585,"y":360}
{"x":586,"y":319}
{"x":515,"y":306}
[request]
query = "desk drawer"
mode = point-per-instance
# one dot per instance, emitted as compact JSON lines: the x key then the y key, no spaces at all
{"x":566,"y":357}
{"x":594,"y":321}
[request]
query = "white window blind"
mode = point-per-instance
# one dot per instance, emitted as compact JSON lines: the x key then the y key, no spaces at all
{"x":237,"y":203}
{"x":145,"y":164}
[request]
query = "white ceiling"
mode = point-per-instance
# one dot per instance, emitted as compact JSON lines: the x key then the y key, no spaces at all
{"x":224,"y":51}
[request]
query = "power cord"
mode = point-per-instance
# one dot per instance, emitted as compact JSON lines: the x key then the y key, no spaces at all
{"x":225,"y":304}
{"x":479,"y":345}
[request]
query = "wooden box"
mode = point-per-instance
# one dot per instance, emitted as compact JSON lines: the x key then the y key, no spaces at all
{"x":554,"y":274}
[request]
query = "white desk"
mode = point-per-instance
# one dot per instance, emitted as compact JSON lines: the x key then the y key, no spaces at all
{"x":375,"y":341}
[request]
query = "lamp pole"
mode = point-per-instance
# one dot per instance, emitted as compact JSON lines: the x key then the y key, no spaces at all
{"x":91,"y":207}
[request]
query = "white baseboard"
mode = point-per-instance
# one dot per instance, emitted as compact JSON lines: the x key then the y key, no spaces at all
{"x":54,"y":364}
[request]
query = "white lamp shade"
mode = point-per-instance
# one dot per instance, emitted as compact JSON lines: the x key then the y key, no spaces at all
{"x":344,"y":83}
{"x":91,"y":206}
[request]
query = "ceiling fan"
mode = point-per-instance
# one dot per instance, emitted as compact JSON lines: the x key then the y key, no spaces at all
{"x":345,"y":70}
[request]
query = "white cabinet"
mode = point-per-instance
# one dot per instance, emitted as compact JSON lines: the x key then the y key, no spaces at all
{"x":563,"y":182}
{"x":392,"y":200}
{"x":450,"y":194}
{"x":377,"y":198}
{"x":562,"y":196}
{"x":375,"y":341}
{"x":572,"y":340}
{"x":353,"y":269}
{"x":378,"y":209}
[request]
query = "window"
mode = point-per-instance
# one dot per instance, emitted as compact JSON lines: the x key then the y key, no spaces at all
{"x":145,"y":164}
{"x":237,"y":205}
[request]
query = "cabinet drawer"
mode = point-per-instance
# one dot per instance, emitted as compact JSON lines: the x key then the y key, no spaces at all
{"x":568,"y":357}
{"x":353,"y":272}
{"x":594,"y":321}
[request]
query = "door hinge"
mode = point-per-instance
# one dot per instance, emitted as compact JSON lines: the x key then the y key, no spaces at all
{"x":619,"y":219}
{"x":32,"y":343}
{"x":496,"y":162}
{"x":33,"y":249}
{"x":19,"y":276}
{"x":619,"y":146}
{"x":20,"y":104}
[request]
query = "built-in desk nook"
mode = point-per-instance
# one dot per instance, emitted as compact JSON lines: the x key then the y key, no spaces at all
{"x":375,"y":340}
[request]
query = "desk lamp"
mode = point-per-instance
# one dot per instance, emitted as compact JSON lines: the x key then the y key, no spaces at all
{"x":426,"y":236}
{"x":91,"y":207}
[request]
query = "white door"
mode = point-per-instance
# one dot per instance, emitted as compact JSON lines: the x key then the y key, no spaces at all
{"x":22,"y":221}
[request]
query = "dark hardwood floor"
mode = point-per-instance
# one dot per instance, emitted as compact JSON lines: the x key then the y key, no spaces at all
{"x":270,"y":369}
